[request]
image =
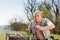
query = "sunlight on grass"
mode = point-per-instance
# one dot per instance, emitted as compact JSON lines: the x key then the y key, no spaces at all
{"x":2,"y":37}
{"x":56,"y":36}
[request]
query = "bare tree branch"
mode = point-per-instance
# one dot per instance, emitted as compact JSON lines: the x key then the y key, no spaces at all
{"x":30,"y":7}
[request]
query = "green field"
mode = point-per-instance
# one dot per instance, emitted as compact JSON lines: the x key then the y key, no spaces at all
{"x":3,"y":34}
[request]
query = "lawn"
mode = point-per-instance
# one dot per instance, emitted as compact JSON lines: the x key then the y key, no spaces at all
{"x":3,"y":34}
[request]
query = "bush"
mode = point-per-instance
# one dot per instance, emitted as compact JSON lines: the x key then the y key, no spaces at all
{"x":18,"y":26}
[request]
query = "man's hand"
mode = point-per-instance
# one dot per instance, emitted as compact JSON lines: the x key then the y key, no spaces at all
{"x":27,"y":30}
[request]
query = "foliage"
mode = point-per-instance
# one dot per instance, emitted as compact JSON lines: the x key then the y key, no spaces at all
{"x":51,"y":10}
{"x":18,"y":26}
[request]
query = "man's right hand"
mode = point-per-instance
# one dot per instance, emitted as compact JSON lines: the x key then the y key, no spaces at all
{"x":28,"y":31}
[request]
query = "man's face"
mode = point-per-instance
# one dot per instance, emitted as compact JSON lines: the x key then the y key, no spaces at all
{"x":38,"y":17}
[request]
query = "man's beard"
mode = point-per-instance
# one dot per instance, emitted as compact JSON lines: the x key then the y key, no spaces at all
{"x":38,"y":21}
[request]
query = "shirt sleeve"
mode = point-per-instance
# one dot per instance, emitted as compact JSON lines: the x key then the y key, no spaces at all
{"x":48,"y":22}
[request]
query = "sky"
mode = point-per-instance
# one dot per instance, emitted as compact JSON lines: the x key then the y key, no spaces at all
{"x":10,"y":9}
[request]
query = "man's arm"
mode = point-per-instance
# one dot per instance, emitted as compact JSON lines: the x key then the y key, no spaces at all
{"x":49,"y":26}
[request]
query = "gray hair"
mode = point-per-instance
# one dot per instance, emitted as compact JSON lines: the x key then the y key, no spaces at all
{"x":37,"y":11}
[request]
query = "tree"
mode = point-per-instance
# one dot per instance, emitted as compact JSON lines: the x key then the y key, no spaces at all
{"x":56,"y":11}
{"x":30,"y":7}
{"x":52,"y":6}
{"x":18,"y":25}
{"x":46,"y":13}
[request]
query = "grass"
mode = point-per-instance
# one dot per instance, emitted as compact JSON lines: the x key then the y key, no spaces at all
{"x":56,"y":36}
{"x":3,"y":34}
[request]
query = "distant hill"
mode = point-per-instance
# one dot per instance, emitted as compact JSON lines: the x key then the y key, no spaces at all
{"x":5,"y":27}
